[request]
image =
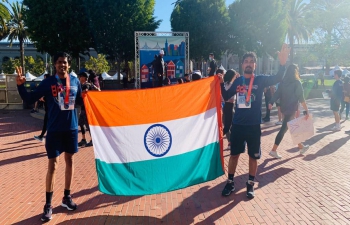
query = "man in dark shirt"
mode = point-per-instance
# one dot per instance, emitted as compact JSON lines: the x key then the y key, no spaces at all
{"x":61,"y":91}
{"x":212,"y":65}
{"x":159,"y":69}
{"x":336,"y":97}
{"x":247,"y":118}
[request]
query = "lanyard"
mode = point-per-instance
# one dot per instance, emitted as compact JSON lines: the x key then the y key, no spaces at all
{"x":247,"y":99}
{"x":64,"y":92}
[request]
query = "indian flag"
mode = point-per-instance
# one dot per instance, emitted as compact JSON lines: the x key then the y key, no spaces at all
{"x":156,"y":140}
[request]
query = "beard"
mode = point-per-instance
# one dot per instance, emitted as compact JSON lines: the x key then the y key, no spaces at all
{"x":248,"y":70}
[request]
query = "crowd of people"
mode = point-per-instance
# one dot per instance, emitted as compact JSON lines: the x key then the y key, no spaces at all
{"x":241,"y":97}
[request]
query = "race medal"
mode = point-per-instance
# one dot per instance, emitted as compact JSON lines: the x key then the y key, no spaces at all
{"x":66,"y":102}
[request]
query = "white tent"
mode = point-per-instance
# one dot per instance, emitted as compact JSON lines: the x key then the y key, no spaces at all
{"x":30,"y":77}
{"x":115,"y":76}
{"x":105,"y":76}
{"x":41,"y":77}
{"x":73,"y":74}
{"x":345,"y":72}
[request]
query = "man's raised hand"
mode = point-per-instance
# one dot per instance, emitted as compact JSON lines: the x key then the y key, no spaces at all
{"x":20,"y":79}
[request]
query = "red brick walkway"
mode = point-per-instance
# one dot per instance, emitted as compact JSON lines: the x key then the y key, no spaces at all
{"x":314,"y":189}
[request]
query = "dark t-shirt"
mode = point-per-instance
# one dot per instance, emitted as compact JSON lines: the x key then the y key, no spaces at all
{"x":337,"y":90}
{"x":58,"y":120}
{"x":212,"y":67}
{"x":251,"y":116}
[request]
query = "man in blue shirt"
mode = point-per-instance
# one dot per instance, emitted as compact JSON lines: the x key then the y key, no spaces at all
{"x":336,"y":98}
{"x":245,"y":128}
{"x":61,"y":92}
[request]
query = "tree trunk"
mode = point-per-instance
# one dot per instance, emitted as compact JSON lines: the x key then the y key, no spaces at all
{"x":291,"y":51}
{"x":21,"y":48}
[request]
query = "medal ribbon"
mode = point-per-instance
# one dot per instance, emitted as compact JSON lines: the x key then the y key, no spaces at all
{"x":247,"y":99}
{"x":66,"y":92}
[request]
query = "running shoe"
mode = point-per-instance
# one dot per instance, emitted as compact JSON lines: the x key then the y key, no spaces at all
{"x":279,"y":123}
{"x":304,"y":149}
{"x":68,"y":203}
{"x":336,"y":128}
{"x":89,"y":144}
{"x":275,"y":154}
{"x":229,"y":188}
{"x":47,"y":215}
{"x":39,"y":138}
{"x":82,"y":143}
{"x":250,"y":189}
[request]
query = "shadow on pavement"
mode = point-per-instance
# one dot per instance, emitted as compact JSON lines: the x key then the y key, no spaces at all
{"x":22,"y":158}
{"x":328,"y":149}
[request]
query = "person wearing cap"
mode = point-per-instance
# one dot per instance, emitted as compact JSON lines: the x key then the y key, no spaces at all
{"x":212,"y":65}
{"x":246,"y":129}
{"x":83,"y":122}
{"x":159,"y":68}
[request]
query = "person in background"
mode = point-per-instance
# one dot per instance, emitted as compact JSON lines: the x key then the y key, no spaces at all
{"x":291,"y":93}
{"x":186,"y":78}
{"x":337,"y":96}
{"x":43,"y":131}
{"x":93,"y":79}
{"x":197,"y":75}
{"x":159,"y":68}
{"x":212,"y":65}
{"x":83,"y":122}
{"x":278,"y":105}
{"x":180,"y":81}
{"x":227,"y":115}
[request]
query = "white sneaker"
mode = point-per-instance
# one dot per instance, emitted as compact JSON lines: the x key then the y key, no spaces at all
{"x":304,"y":149}
{"x":279,"y":123}
{"x":275,"y":154}
{"x":336,"y":128}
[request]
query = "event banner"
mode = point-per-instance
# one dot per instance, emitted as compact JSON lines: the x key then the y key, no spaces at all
{"x":174,"y":48}
{"x":156,"y":140}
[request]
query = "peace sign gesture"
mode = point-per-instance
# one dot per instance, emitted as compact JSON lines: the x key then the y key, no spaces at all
{"x":20,"y":79}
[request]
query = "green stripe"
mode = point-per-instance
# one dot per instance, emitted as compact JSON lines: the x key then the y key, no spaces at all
{"x":160,"y":175}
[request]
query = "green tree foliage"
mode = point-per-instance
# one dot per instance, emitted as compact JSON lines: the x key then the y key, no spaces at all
{"x":331,"y":19}
{"x":99,"y":64}
{"x":62,"y":26}
{"x":113,"y":23}
{"x":4,"y":18}
{"x":298,"y":27}
{"x":34,"y":66}
{"x":258,"y":26}
{"x":207,"y":23}
{"x":17,"y":29}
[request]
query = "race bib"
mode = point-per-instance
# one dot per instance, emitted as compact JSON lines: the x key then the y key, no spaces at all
{"x":241,"y":102}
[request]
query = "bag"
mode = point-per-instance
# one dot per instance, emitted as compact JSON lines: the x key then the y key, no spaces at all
{"x":347,"y":99}
{"x":301,"y":129}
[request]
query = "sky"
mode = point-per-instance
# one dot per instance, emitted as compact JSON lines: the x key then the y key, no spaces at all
{"x":163,"y":11}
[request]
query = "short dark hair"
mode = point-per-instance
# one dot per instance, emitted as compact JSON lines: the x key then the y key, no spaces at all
{"x":338,"y":72}
{"x":249,"y":54}
{"x":46,"y":75}
{"x":64,"y":55}
{"x":196,"y":77}
{"x":211,"y":54}
{"x":220,"y":71}
{"x":230,"y":74}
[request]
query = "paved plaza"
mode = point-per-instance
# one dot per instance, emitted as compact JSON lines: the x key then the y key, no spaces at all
{"x":310,"y":189}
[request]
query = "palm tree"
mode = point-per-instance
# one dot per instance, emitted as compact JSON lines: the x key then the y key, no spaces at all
{"x":17,"y":29}
{"x":297,"y":26}
{"x":4,"y":18}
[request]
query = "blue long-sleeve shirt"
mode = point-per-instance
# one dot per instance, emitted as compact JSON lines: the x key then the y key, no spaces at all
{"x":58,"y":120}
{"x":251,"y":116}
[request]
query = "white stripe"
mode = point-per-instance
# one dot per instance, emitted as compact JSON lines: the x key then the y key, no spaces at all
{"x":126,"y":143}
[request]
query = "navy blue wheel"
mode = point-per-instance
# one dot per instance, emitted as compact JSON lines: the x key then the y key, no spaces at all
{"x":157,"y":140}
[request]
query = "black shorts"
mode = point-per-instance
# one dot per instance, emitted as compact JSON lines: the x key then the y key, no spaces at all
{"x":335,"y":104}
{"x":242,"y":135}
{"x":61,"y":141}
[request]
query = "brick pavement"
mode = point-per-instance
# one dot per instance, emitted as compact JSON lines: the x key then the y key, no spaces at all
{"x":294,"y":190}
